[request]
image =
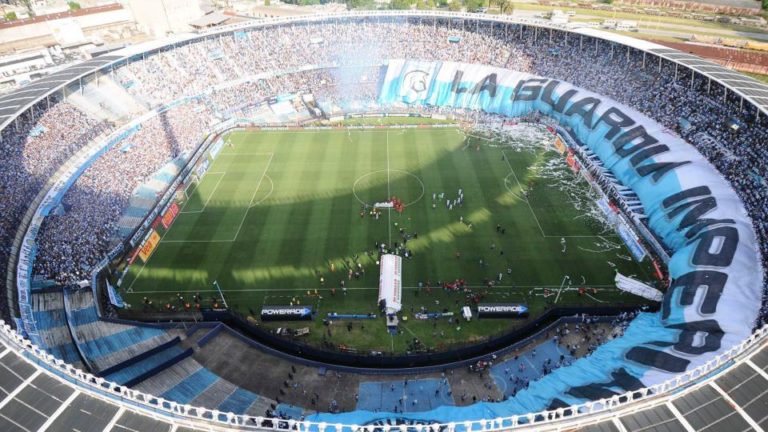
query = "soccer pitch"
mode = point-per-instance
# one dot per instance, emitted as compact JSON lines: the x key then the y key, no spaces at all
{"x":278,"y":218}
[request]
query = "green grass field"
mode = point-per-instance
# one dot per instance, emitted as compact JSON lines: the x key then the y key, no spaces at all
{"x":277,"y":211}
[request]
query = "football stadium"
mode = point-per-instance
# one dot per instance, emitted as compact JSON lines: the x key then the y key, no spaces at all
{"x":385,"y":221}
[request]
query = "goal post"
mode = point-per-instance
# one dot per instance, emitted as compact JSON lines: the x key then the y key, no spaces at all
{"x":190,"y":186}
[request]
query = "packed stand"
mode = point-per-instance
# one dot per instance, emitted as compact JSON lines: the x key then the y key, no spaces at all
{"x":72,"y":243}
{"x":31,"y":150}
{"x":270,"y":61}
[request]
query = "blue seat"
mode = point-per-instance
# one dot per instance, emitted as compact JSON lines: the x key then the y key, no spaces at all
{"x":49,"y":319}
{"x":238,"y":402}
{"x":103,"y":346}
{"x":83,"y":316}
{"x":133,"y":371}
{"x":191,"y":387}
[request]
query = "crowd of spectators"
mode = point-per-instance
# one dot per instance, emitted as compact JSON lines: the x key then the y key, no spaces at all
{"x":73,"y":241}
{"x":728,"y":133}
{"x":347,"y":58}
{"x":31,"y":150}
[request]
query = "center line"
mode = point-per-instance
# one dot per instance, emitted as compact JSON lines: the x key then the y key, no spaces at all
{"x":389,"y":196}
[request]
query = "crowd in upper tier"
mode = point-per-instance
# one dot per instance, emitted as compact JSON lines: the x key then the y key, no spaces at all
{"x":339,"y":63}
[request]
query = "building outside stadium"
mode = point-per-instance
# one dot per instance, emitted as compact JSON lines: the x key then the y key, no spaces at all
{"x":669,"y":201}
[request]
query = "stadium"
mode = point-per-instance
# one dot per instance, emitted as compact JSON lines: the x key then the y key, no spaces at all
{"x":385,"y":221}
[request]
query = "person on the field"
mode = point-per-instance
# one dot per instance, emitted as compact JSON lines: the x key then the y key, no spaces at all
{"x":562,"y":243}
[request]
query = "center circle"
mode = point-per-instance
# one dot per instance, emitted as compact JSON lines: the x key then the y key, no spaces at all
{"x":379,"y":186}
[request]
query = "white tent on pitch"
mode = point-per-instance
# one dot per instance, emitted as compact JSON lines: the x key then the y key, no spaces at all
{"x":636,"y":287}
{"x":390,"y":282}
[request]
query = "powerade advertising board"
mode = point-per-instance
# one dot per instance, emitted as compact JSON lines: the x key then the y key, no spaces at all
{"x":286,"y":313}
{"x":501,"y":310}
{"x":715,"y":292}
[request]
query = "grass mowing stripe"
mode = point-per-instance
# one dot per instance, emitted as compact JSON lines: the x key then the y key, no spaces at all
{"x":220,"y":176}
{"x":524,"y":198}
{"x":311,"y":224}
{"x":255,"y":191}
{"x":312,"y":215}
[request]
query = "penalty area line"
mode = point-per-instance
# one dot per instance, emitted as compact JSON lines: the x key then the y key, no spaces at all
{"x":527,"y":201}
{"x":213,"y":192}
{"x":256,"y":190}
{"x":272,"y":188}
{"x":162,"y":238}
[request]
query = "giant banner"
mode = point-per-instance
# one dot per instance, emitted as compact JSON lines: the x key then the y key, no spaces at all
{"x":715,"y":293}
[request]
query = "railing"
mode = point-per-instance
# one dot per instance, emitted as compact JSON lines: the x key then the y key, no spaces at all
{"x":172,"y":410}
{"x":216,"y":420}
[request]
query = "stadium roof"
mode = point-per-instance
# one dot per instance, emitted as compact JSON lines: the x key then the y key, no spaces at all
{"x":14,"y":103}
{"x":733,"y":399}
{"x":210,"y":20}
{"x":749,"y":88}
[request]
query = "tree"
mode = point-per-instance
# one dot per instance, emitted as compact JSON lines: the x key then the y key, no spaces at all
{"x":11,"y":16}
{"x":73,"y":6}
{"x":454,"y":5}
{"x":473,"y":5}
{"x":267,"y":2}
{"x":400,"y":4}
{"x":28,"y":4}
{"x":507,"y":7}
{"x":360,"y":4}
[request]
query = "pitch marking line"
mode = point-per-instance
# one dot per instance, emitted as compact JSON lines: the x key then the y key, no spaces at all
{"x":244,"y":154}
{"x":143,"y":266}
{"x":213,"y":192}
{"x":543,"y":234}
{"x":345,"y":129}
{"x":197,"y":184}
{"x":408,"y":173}
{"x":271,"y":189}
{"x":506,"y":159}
{"x":389,"y":196}
{"x":605,"y":287}
{"x":250,"y":203}
{"x":506,"y":185}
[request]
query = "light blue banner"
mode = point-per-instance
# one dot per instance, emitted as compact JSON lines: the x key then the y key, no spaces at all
{"x":715,"y":292}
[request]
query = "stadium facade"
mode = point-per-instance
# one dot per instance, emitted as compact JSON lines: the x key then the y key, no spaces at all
{"x":676,"y":356}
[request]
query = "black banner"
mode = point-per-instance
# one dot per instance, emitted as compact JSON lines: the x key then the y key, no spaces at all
{"x":502,"y":310}
{"x":286,"y":313}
